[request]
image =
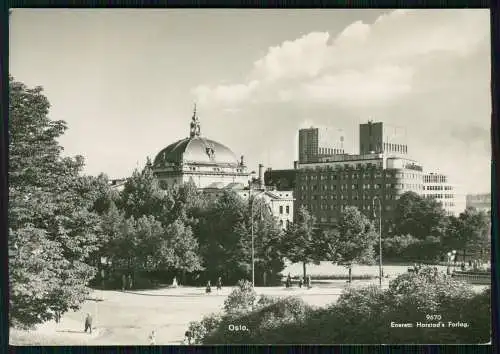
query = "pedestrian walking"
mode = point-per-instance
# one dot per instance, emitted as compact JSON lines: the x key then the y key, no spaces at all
{"x":188,"y":337}
{"x":130,"y":283}
{"x":208,"y":289}
{"x":124,"y":282}
{"x":152,"y":338}
{"x":88,"y":323}
{"x":309,"y":282}
{"x":301,"y":282}
{"x":174,"y":283}
{"x":288,"y":281}
{"x":219,"y":283}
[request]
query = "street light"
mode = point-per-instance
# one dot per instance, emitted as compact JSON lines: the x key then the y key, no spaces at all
{"x":251,"y":229}
{"x":379,"y":236}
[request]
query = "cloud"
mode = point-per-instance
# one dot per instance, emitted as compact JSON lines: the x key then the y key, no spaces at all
{"x":304,"y":57}
{"x":367,"y":64}
{"x":226,"y":94}
{"x":351,"y":87}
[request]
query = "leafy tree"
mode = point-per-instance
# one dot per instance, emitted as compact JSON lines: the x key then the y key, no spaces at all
{"x":471,"y":231}
{"x":180,"y":244}
{"x":419,"y":217}
{"x":351,"y":241}
{"x":53,"y":229}
{"x":220,"y":231}
{"x":142,"y":195}
{"x":399,"y":246}
{"x":299,"y":244}
{"x":268,"y":237}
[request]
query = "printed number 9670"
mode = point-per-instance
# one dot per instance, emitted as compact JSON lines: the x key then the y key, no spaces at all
{"x":433,"y":317}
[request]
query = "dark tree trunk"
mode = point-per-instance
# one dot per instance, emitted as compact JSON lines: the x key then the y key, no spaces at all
{"x":350,"y":275}
{"x":304,"y":269}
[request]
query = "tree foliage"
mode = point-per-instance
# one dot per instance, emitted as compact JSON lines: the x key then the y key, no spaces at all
{"x":51,"y":214}
{"x":300,"y":244}
{"x":352,"y":240}
{"x":418,"y":216}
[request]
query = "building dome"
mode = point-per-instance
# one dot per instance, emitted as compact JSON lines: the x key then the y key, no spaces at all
{"x":196,"y":150}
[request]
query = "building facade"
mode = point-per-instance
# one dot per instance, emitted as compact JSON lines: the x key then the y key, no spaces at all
{"x":320,"y":142}
{"x":450,"y":196}
{"x":199,"y":160}
{"x":327,"y":187}
{"x":479,"y":201}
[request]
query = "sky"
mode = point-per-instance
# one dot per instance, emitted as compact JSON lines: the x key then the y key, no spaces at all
{"x":126,"y":81}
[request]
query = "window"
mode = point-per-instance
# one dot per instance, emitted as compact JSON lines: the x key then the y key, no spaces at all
{"x":281,"y":209}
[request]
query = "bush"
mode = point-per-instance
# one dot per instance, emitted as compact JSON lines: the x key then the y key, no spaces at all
{"x":260,"y":323}
{"x":241,"y":299}
{"x":200,"y":330}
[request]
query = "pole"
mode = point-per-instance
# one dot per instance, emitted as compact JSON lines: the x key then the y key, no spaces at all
{"x":379,"y":237}
{"x":251,"y":228}
{"x":253,"y":250}
{"x":380,"y":243}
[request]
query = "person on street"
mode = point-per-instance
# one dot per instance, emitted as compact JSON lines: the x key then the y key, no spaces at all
{"x":188,"y":337}
{"x":124,"y":282}
{"x":288,"y":281}
{"x":208,"y":289}
{"x":130,"y":283}
{"x":309,"y":282}
{"x":152,"y":338}
{"x":219,"y":283}
{"x":301,"y":282}
{"x":88,"y":323}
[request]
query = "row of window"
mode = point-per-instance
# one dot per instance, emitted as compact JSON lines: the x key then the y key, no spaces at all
{"x":341,"y":207}
{"x":345,"y":197}
{"x":440,"y":196}
{"x":346,"y":187}
{"x":438,"y":188}
{"x":354,"y":175}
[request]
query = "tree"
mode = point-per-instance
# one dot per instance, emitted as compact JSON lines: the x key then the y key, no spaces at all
{"x":268,"y":237}
{"x":220,"y":233}
{"x":299,"y":244}
{"x":399,"y":246}
{"x":351,"y":241}
{"x":419,"y":217}
{"x":471,"y":231}
{"x":142,"y":195}
{"x":52,"y":227}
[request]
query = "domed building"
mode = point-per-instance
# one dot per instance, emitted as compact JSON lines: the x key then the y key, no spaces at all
{"x":207,"y":163}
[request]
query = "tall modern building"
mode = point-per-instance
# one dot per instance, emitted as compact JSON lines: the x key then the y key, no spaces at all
{"x":450,"y":196}
{"x":381,"y":138}
{"x":320,"y":142}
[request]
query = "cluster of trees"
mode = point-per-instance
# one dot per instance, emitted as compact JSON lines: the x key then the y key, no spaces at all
{"x":421,"y":231}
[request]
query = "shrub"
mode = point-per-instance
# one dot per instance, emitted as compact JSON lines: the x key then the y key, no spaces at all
{"x":200,"y":330}
{"x":261,"y":322}
{"x":241,"y":299}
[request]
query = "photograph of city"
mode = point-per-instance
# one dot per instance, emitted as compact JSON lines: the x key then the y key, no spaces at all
{"x":198,"y":177}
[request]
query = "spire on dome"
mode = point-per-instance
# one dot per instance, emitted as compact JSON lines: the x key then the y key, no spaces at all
{"x":195,"y":125}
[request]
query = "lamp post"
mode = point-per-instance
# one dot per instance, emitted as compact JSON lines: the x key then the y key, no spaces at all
{"x":379,"y":237}
{"x":251,"y":227}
